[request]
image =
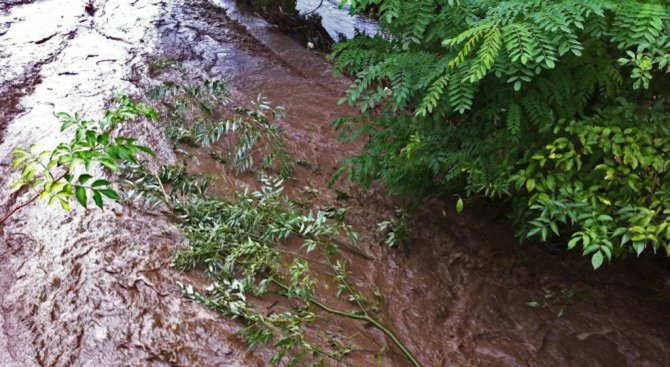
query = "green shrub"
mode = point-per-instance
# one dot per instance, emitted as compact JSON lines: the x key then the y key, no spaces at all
{"x":559,"y":106}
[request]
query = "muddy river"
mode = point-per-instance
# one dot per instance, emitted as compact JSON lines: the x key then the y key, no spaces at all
{"x":95,"y":288}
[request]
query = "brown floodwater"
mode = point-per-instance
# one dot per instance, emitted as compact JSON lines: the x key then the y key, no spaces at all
{"x":95,"y":287}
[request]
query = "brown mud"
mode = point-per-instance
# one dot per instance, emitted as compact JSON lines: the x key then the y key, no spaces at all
{"x":96,"y":288}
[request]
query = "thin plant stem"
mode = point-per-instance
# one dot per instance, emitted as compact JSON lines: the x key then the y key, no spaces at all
{"x":18,"y":208}
{"x":32,"y":199}
{"x":408,"y":354}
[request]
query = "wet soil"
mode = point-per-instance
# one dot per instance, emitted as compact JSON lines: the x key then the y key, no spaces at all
{"x":96,"y":288}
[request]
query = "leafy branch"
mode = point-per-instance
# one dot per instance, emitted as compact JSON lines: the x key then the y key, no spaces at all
{"x":60,"y":174}
{"x":201,"y":115}
{"x":239,"y":244}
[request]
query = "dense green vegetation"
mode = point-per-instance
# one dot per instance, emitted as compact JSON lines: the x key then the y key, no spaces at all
{"x":559,"y":107}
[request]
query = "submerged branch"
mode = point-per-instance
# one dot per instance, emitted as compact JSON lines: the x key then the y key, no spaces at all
{"x":408,"y":354}
{"x":2,"y":221}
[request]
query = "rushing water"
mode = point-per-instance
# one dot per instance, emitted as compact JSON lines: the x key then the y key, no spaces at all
{"x":96,"y":288}
{"x":336,"y":18}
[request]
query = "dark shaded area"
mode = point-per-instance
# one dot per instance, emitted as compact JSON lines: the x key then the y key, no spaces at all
{"x":10,"y":95}
{"x":283,"y":14}
{"x":90,"y":8}
{"x":6,"y":4}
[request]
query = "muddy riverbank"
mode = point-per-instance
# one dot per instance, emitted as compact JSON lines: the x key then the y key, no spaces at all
{"x":92,"y":287}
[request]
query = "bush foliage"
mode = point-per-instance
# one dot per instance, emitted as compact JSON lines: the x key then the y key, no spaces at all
{"x":558,"y":106}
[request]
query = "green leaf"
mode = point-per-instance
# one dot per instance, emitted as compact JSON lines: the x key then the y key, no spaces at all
{"x":126,"y":154}
{"x":597,"y":260}
{"x":551,"y":183}
{"x":530,"y":184}
{"x":459,"y":205}
{"x":110,"y":164}
{"x":605,"y":218}
{"x":533,"y":232}
{"x":64,"y":204}
{"x":97,"y":199}
{"x":19,"y":160}
{"x":590,"y":248}
{"x":98,"y":183}
{"x":109,"y":193}
{"x":145,"y":149}
{"x":573,"y":242}
{"x":84,"y":177}
{"x":81,"y":195}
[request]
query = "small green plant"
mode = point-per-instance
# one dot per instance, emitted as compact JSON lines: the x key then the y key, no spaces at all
{"x":554,"y":297}
{"x":335,"y":213}
{"x":202,"y":116}
{"x":219,"y":157}
{"x":395,"y":229}
{"x":160,"y":64}
{"x":307,"y":197}
{"x":66,"y":172}
{"x":311,"y":167}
